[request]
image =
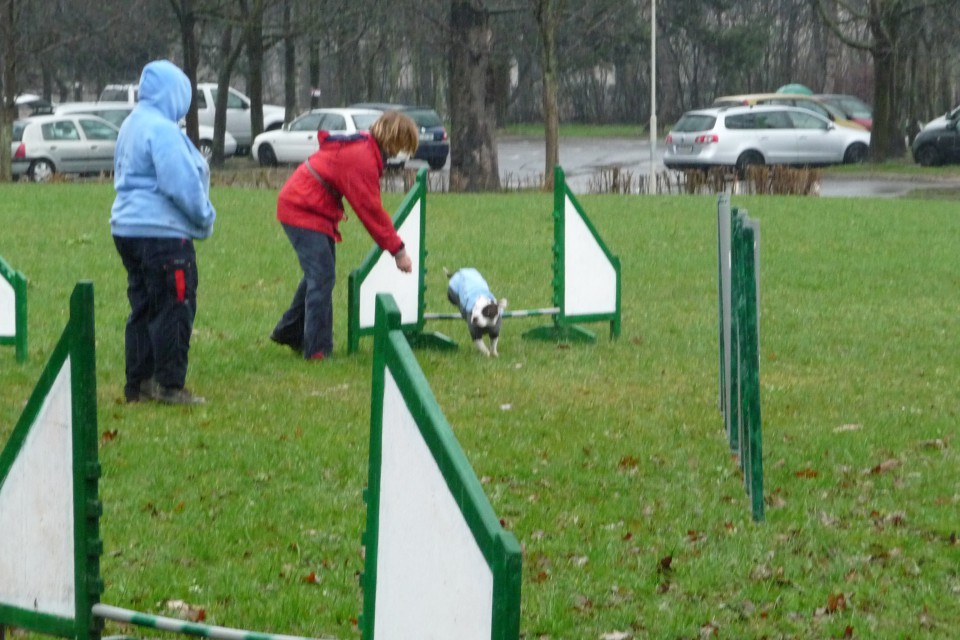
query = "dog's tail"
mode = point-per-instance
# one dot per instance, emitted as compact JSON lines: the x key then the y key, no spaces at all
{"x":447,"y":273}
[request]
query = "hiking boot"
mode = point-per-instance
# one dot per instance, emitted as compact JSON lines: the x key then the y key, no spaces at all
{"x":173,"y":395}
{"x":148,"y":391}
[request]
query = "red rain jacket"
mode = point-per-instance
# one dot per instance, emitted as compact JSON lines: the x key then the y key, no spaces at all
{"x":351,"y":166}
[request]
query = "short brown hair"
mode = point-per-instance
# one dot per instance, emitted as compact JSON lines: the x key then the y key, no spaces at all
{"x":395,"y":133}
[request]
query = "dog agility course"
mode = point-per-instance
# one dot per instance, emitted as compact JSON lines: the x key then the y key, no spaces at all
{"x":438,"y":563}
{"x":586,"y":277}
{"x":13,"y":309}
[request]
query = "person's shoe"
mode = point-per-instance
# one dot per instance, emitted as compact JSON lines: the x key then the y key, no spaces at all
{"x":317,"y":357}
{"x":287,"y":342}
{"x":147,"y":391}
{"x":173,"y":395}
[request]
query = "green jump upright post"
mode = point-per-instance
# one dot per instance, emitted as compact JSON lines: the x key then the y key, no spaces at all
{"x":13,"y":309}
{"x":751,"y":439}
{"x":438,"y":562}
{"x":744,"y":367}
{"x":586,"y":274}
{"x":50,"y":543}
{"x":378,"y":274}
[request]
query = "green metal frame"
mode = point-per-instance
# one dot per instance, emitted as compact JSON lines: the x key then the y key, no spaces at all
{"x":565,"y":327}
{"x":76,"y":345}
{"x":414,"y":330}
{"x":738,"y":310}
{"x":19,"y":283}
{"x":500,"y":548}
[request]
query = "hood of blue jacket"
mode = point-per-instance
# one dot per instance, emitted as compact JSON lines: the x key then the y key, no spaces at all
{"x":166,"y":88}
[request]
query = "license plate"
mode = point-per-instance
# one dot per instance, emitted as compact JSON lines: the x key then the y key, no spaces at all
{"x":426,"y":137}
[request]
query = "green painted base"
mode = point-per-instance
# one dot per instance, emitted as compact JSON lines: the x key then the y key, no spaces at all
{"x":557,"y":333}
{"x":438,"y":341}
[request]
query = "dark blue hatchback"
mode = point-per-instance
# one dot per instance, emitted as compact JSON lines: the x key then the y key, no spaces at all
{"x":434,"y":146}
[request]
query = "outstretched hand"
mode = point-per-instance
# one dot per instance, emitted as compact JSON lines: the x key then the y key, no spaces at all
{"x":404,"y":263}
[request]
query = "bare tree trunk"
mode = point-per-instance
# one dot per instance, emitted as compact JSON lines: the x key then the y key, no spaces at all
{"x":254,"y":38}
{"x":289,"y":63}
{"x":547,"y":17}
{"x":228,"y":59}
{"x":8,"y":84}
{"x":187,"y":18}
{"x":473,"y":161}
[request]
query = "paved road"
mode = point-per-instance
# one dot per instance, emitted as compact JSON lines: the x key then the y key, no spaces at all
{"x":521,"y":162}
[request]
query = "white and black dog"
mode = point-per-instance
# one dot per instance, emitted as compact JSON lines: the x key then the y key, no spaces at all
{"x":471,"y":294}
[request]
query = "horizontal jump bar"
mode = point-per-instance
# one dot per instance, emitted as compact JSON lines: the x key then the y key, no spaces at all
{"x":520,"y":313}
{"x":110,"y":612}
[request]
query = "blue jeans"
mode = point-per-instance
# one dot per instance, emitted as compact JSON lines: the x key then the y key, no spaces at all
{"x":309,"y":320}
{"x":162,"y":284}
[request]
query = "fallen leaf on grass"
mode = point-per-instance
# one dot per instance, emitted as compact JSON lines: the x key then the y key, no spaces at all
{"x":108,"y":436}
{"x":617,"y":635}
{"x":805,"y":473}
{"x":886,"y":465}
{"x":185,"y":611}
{"x":936,"y":443}
{"x":310,"y":578}
{"x":665,"y":564}
{"x":847,"y":427}
{"x":582,"y":603}
{"x":709,"y":630}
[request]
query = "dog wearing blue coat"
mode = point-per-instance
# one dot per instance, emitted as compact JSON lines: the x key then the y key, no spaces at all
{"x":483,"y":313}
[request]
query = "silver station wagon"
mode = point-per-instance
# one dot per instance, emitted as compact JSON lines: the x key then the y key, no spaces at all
{"x":737,"y":137}
{"x":71,"y":143}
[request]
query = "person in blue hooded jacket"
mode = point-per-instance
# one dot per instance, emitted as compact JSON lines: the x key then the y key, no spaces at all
{"x":162,"y":206}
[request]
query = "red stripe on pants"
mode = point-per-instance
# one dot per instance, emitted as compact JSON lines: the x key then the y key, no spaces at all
{"x":181,"y":285}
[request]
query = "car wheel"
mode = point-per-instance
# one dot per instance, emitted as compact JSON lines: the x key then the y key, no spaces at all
{"x":266,"y":156}
{"x":927,"y":156}
{"x":856,"y":153}
{"x":41,"y":171}
{"x":206,"y":149}
{"x":437,"y":164}
{"x":746,"y":160}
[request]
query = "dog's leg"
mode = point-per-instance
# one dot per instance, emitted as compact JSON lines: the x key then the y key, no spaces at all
{"x":493,"y":346}
{"x":482,"y":348}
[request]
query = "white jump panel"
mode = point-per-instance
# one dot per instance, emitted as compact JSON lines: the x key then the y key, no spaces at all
{"x":433,"y":582}
{"x":8,"y":309}
{"x":36,"y":512}
{"x":590,"y":280}
{"x":384,"y":277}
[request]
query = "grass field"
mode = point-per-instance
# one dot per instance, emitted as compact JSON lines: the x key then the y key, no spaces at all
{"x":607,"y":461}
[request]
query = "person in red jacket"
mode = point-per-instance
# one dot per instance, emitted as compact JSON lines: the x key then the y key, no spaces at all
{"x":310,"y":207}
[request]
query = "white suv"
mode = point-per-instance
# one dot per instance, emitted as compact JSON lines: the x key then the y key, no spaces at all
{"x":742,"y":136}
{"x":238,"y":110}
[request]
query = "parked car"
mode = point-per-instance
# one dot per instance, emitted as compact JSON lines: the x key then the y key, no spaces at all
{"x":763,"y":134}
{"x":434,"y":144}
{"x":939,"y":141}
{"x":117,"y":112}
{"x":296,"y":141}
{"x":238,"y":110}
{"x":852,"y":107}
{"x":71,"y":143}
{"x":793,"y":100}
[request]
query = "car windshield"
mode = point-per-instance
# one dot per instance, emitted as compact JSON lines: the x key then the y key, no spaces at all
{"x":851,"y":105}
{"x":425,"y":118}
{"x":695,"y":122}
{"x":308,"y":122}
{"x":365,"y":120}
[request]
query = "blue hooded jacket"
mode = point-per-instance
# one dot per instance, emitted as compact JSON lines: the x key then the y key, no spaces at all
{"x":161,"y":179}
{"x":469,"y":285}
